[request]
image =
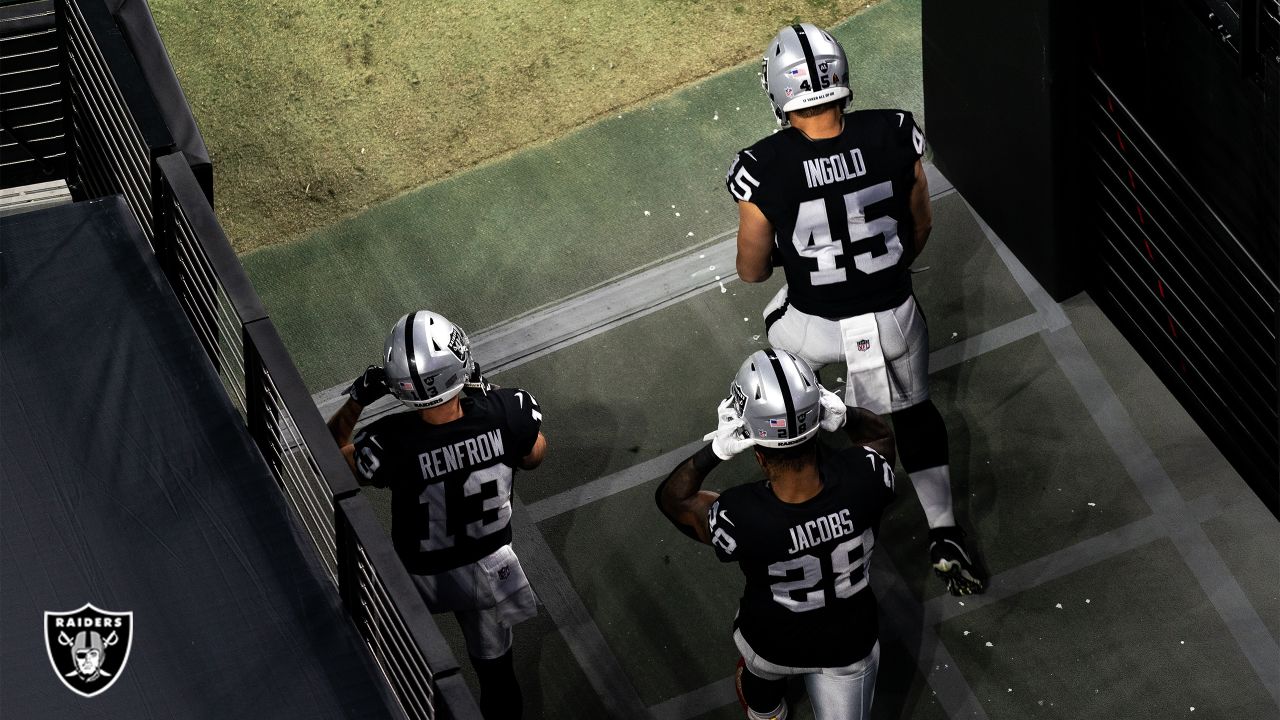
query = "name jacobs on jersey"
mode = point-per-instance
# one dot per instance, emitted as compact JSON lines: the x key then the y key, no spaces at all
{"x":815,"y":532}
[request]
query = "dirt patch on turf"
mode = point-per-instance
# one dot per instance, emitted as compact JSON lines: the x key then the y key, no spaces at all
{"x":316,"y":110}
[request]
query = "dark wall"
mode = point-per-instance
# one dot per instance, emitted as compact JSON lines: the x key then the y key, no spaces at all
{"x":1184,"y":196}
{"x":1216,"y":121}
{"x":999,"y":78}
{"x":1130,"y":148}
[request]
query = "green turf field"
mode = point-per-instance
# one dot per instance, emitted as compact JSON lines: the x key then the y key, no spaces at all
{"x":314,"y":110}
{"x":493,"y":242}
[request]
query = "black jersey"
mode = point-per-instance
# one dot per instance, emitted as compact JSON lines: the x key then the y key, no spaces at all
{"x":840,"y":209}
{"x":807,"y":602}
{"x":450,"y":484}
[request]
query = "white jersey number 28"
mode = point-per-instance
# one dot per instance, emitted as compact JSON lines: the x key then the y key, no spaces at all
{"x":813,"y":239}
{"x":847,"y":558}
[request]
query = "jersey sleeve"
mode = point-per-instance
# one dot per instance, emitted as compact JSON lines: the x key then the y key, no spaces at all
{"x":373,"y":456}
{"x":743,"y":178}
{"x":524,"y":420}
{"x":908,"y":134}
{"x":723,"y":531}
{"x":883,"y":471}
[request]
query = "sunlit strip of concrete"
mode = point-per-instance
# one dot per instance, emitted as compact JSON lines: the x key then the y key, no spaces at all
{"x":598,"y":309}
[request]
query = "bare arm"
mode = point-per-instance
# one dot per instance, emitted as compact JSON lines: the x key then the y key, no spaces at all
{"x":681,"y":498}
{"x":755,"y":243}
{"x":341,"y":425}
{"x":534,"y":458}
{"x":867,"y":428}
{"x":921,"y":212}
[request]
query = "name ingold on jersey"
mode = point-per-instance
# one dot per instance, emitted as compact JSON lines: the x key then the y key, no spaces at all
{"x":828,"y":527}
{"x":461,"y":455}
{"x":827,"y":170}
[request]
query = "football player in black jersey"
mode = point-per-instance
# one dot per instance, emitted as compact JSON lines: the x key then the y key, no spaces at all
{"x":802,"y":537}
{"x":450,"y":465}
{"x":840,"y":201}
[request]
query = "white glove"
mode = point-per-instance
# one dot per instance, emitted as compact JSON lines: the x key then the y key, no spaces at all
{"x":833,"y":412}
{"x":730,"y":437}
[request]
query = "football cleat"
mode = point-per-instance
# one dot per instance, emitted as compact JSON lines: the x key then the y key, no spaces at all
{"x":952,"y":563}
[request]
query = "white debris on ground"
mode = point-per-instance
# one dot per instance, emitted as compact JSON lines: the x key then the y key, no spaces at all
{"x":1059,"y":606}
{"x":646,"y":213}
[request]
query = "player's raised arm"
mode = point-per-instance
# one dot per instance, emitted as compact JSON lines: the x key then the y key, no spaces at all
{"x":371,"y":385}
{"x":680,"y":497}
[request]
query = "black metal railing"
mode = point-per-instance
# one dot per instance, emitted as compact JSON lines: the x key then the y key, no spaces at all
{"x":263,"y":382}
{"x":1195,"y":299}
{"x":120,"y":145}
{"x":32,"y":125}
{"x":114,"y":125}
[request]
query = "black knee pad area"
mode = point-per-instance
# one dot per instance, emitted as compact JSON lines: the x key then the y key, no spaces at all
{"x":500,"y":697}
{"x":921,"y":437}
{"x":762,"y":695}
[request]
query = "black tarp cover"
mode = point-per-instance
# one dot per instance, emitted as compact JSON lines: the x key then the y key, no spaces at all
{"x":127,"y":480}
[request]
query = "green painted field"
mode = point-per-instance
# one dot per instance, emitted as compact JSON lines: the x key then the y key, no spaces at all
{"x":317,"y":109}
{"x":531,"y":228}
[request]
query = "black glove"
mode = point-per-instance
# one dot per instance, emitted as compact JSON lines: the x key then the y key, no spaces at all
{"x":370,"y":386}
{"x":476,"y":380}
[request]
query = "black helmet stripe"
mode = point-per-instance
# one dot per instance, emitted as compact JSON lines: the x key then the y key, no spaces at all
{"x":814,"y":79}
{"x":787,"y":402}
{"x":418,"y":387}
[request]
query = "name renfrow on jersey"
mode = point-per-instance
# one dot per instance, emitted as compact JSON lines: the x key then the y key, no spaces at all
{"x":460,"y":455}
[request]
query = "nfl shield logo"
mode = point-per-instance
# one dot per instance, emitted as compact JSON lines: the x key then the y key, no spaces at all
{"x":88,"y":648}
{"x":864,"y":345}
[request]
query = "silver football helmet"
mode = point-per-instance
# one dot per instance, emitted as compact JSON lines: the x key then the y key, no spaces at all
{"x":778,"y":398}
{"x":427,"y":359}
{"x":802,"y":67}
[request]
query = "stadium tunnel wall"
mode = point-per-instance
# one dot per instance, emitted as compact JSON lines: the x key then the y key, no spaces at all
{"x":126,"y":133}
{"x":1130,"y":149}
